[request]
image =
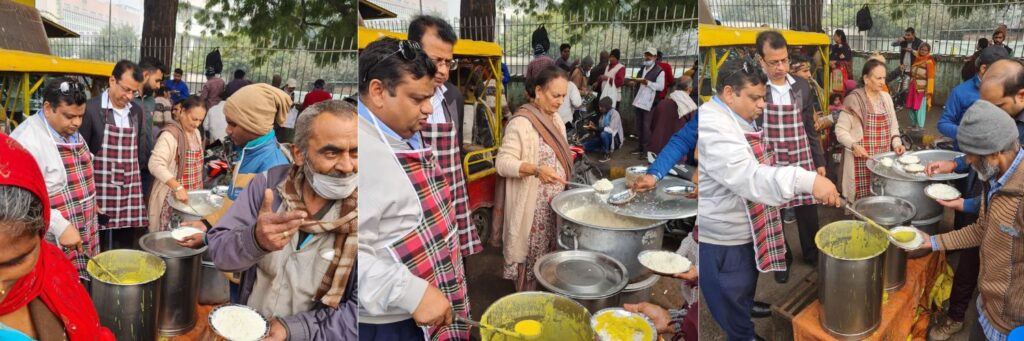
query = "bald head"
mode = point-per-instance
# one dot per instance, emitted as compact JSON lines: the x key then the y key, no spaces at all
{"x":1003,"y":85}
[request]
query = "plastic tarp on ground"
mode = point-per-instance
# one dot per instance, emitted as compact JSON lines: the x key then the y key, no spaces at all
{"x":463,"y":47}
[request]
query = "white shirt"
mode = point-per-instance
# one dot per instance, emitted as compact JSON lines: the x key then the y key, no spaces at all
{"x":780,"y":93}
{"x":732,"y":175}
{"x":645,"y":95}
{"x":572,"y":102}
{"x":121,"y":118}
{"x":216,"y":125}
{"x":35,"y":137}
{"x":438,"y":102}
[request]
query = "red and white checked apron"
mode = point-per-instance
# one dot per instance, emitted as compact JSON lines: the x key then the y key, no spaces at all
{"x":432,"y":251}
{"x":76,"y":201}
{"x":876,"y":140}
{"x":784,"y":132}
{"x":118,"y":177}
{"x":765,"y":221}
{"x":191,"y":180}
{"x":444,"y":139}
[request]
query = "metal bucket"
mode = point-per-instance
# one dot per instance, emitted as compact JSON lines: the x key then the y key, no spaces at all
{"x":639,"y":291}
{"x":181,"y":284}
{"x":623,"y":244}
{"x":850,"y":275}
{"x":130,"y":311}
{"x":561,"y":317}
{"x":213,"y":287}
{"x":890,"y":212}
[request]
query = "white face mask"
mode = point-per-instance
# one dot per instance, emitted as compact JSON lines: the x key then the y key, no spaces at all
{"x":331,"y":187}
{"x":648,"y":63}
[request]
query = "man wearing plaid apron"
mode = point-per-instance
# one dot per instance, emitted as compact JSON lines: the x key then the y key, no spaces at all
{"x":788,"y":122}
{"x":741,"y":230}
{"x":51,"y":136}
{"x":115,"y":133}
{"x":443,"y":131}
{"x":411,"y":275}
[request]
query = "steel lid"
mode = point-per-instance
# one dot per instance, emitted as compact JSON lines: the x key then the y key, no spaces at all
{"x":581,"y":274}
{"x":926,"y":157}
{"x":885,"y":210}
{"x":655,"y":204}
{"x":163,"y":245}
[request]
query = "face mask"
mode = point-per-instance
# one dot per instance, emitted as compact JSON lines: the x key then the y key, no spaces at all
{"x":987,"y":171}
{"x":648,"y":63}
{"x":331,"y":187}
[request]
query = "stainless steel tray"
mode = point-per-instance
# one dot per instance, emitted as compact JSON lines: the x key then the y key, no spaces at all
{"x":655,"y":204}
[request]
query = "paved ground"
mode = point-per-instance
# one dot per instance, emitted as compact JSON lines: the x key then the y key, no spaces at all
{"x":771,"y":292}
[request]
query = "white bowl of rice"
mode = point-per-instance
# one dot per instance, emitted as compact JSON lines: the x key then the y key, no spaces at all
{"x":237,"y":322}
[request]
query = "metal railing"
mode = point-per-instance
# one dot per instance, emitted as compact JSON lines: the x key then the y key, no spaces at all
{"x":331,"y":60}
{"x":671,"y":30}
{"x":951,"y":27}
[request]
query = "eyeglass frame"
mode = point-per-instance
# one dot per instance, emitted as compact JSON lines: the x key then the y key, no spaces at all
{"x":407,"y":53}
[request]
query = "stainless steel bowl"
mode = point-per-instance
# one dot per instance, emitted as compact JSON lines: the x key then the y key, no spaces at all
{"x":593,"y":321}
{"x":201,"y":203}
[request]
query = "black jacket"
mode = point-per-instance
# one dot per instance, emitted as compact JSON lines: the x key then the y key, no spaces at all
{"x":93,"y":125}
{"x":807,"y":104}
{"x":454,"y":105}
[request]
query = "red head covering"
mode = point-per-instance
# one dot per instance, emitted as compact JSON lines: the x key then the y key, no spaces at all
{"x":53,"y":280}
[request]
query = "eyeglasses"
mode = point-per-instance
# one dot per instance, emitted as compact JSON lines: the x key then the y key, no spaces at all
{"x":126,"y":89}
{"x":407,"y":49}
{"x":747,"y":67}
{"x":66,"y":88}
{"x":451,"y":64}
{"x":776,"y":63}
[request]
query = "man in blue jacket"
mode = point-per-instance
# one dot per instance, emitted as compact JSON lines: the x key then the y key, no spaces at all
{"x":178,"y":87}
{"x":964,"y":95}
{"x":683,"y":143}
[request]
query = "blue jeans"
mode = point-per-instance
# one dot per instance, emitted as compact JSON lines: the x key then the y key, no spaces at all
{"x":401,"y":330}
{"x":601,"y":144}
{"x":728,"y":278}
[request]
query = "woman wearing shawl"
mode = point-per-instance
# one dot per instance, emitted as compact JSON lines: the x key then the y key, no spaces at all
{"x":177,"y":162}
{"x":866,"y":127}
{"x":535,"y":161}
{"x":840,"y":60}
{"x":40,"y":295}
{"x":922,"y":85}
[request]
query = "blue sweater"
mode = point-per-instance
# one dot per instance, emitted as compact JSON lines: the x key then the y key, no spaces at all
{"x":258,"y":156}
{"x":681,"y":144}
{"x":182,"y":88}
{"x":961,"y":98}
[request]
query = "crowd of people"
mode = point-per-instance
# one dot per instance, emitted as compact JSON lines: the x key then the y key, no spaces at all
{"x":86,"y":175}
{"x":766,"y":117}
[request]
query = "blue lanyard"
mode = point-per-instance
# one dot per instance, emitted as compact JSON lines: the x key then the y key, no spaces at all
{"x":309,"y":237}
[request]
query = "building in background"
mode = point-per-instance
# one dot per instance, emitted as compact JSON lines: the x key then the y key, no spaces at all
{"x":90,"y":17}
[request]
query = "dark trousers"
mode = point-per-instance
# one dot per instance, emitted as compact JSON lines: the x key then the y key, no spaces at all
{"x":807,"y":226}
{"x":965,"y":277}
{"x":125,"y":238}
{"x":728,"y":278}
{"x":642,"y":121}
{"x":401,"y":330}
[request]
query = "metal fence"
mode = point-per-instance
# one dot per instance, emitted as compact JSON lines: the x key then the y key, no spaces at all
{"x":951,"y":27}
{"x":331,"y":60}
{"x":672,"y":30}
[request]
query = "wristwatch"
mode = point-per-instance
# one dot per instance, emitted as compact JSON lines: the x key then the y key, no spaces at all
{"x":180,"y":187}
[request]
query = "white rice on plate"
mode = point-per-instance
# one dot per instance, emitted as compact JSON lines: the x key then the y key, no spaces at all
{"x":913,"y":244}
{"x":887,"y":162}
{"x":180,"y":233}
{"x":914,"y":168}
{"x":238,"y":323}
{"x":909,"y":159}
{"x":942,"y":191}
{"x":665,"y":262}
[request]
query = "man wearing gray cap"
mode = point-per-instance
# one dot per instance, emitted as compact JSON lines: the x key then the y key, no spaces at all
{"x":965,"y":279}
{"x":988,"y":137}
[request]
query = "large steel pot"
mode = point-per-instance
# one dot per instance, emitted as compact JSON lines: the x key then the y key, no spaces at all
{"x":181,"y":283}
{"x":213,"y":287}
{"x":623,"y":244}
{"x":890,"y":212}
{"x":129,"y":310}
{"x":638,"y":292}
{"x":885,"y":181}
{"x":592,"y":279}
{"x":850,"y":274}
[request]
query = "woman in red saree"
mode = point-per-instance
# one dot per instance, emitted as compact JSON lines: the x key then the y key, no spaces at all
{"x":40,"y":295}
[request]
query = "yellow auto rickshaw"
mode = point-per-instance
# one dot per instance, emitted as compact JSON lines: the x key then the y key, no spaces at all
{"x":23,"y":73}
{"x":482,"y":129}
